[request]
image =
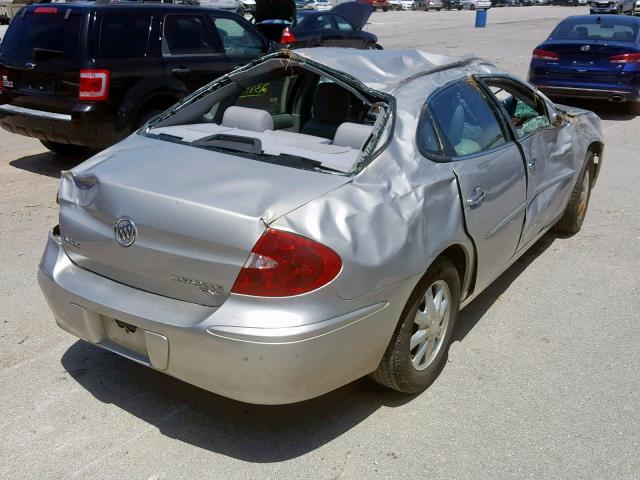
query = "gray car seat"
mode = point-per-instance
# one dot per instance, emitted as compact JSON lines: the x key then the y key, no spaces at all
{"x":330,"y":108}
{"x":244,"y":118}
{"x":353,"y":135}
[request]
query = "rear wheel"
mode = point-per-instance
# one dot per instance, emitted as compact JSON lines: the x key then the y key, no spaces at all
{"x":419,"y":344}
{"x":65,"y":149}
{"x":472,"y":7}
{"x":370,"y":46}
{"x":571,"y":220}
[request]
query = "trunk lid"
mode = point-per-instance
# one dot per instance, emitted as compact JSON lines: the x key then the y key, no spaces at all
{"x":356,"y":13}
{"x":586,"y":60}
{"x":41,"y":54}
{"x":197,"y":214}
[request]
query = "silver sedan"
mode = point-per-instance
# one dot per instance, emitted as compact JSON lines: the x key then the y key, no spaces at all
{"x":314,"y":217}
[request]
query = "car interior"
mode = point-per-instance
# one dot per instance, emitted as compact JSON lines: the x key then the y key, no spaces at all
{"x":288,"y":112}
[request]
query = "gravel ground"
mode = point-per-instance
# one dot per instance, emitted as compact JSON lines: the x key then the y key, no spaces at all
{"x":542,"y":380}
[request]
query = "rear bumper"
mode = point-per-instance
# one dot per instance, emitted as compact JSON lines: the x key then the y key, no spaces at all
{"x":187,"y":341}
{"x":618,"y":95}
{"x":87,"y":126}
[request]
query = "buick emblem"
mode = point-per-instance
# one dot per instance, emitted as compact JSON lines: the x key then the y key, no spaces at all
{"x":125,"y":231}
{"x":585,"y":48}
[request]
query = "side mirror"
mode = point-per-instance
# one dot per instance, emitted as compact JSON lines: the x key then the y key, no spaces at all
{"x":555,"y":119}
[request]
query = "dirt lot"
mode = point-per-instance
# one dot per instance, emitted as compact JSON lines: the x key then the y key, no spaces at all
{"x":542,"y":381}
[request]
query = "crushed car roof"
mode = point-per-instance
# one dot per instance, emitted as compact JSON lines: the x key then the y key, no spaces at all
{"x":383,"y":70}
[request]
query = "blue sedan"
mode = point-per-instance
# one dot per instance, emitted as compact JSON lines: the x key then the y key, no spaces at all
{"x":590,"y":56}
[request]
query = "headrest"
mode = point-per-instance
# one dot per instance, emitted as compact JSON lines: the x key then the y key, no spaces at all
{"x":251,"y":119}
{"x":352,"y":135}
{"x":331,"y":103}
{"x":456,"y":126}
{"x":623,"y":36}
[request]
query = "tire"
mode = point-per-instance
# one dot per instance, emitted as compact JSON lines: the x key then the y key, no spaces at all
{"x":573,"y":216}
{"x":396,"y":369}
{"x":438,"y":9}
{"x":65,"y":149}
{"x":472,"y":7}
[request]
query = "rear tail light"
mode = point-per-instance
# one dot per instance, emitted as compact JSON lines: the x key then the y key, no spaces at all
{"x":283,"y":264}
{"x":287,"y":37}
{"x":540,"y":54}
{"x":45,"y":10}
{"x":625,"y":58}
{"x":94,"y":85}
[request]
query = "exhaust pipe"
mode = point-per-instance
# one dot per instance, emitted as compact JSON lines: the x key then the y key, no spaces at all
{"x":616,"y":98}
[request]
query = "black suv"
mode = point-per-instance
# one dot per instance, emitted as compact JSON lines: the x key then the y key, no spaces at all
{"x":87,"y":75}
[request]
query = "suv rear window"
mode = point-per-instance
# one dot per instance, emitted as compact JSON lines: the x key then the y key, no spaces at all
{"x":41,"y":36}
{"x":124,"y":35}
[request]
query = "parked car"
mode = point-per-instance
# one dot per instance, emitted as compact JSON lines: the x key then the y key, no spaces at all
{"x":475,"y":4}
{"x":427,"y":5}
{"x":340,"y":27}
{"x":320,"y":5}
{"x":612,"y":6}
{"x":408,"y":4}
{"x":452,"y":4}
{"x":375,"y":213}
{"x":377,"y":4}
{"x":80,"y":76}
{"x":304,"y":5}
{"x":590,"y":57}
{"x":636,"y":7}
{"x":395,"y":5}
{"x":230,"y":5}
{"x":505,"y":3}
{"x":246,"y":7}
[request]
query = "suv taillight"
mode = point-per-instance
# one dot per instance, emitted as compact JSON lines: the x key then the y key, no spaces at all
{"x":283,"y":264}
{"x":94,"y":85}
{"x":287,"y":37}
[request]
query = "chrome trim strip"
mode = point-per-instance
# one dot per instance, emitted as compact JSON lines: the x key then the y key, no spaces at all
{"x":35,"y":113}
{"x":577,"y":89}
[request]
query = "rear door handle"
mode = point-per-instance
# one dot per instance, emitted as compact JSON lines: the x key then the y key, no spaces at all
{"x":531,"y":164}
{"x":180,"y":70}
{"x":476,"y":198}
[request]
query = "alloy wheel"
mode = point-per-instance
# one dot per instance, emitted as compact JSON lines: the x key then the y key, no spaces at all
{"x":430,"y":325}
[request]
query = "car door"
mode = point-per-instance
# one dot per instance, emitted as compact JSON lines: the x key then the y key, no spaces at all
{"x":490,"y":172}
{"x":348,"y":37}
{"x":322,"y":26}
{"x":550,"y":164}
{"x":238,"y":40}
{"x":188,"y":50}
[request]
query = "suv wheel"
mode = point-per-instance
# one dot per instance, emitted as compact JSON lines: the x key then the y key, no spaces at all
{"x":65,"y":149}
